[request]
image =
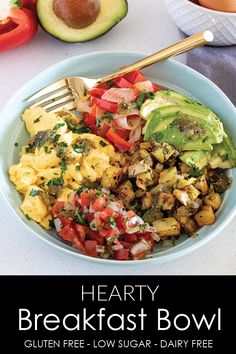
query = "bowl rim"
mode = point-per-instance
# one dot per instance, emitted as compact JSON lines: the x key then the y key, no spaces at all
{"x":164,"y":257}
{"x":211,"y":11}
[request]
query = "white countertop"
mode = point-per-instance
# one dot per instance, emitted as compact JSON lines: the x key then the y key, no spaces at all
{"x":147,"y":28}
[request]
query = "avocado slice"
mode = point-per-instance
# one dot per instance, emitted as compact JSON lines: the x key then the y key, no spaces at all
{"x":165,"y":98}
{"x":196,"y":159}
{"x":111,"y":12}
{"x":186,"y":127}
{"x":223,"y":156}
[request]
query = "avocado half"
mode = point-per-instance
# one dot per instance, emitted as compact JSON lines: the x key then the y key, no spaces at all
{"x":111,"y":12}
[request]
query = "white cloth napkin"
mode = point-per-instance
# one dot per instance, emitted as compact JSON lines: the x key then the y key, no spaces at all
{"x":218,"y":64}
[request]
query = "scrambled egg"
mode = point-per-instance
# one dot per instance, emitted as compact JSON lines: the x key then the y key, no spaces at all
{"x":55,"y":163}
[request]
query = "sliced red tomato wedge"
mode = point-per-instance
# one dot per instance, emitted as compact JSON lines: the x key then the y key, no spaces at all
{"x":122,"y":82}
{"x":122,"y":254}
{"x":134,"y":76}
{"x":91,"y":248}
{"x":117,"y":140}
{"x":96,"y":92}
{"x":105,"y":105}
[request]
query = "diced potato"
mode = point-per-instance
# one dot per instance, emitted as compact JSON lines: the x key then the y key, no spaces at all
{"x":214,"y":200}
{"x":182,"y":196}
{"x":168,"y":176}
{"x":167,"y":227}
{"x":205,"y":216}
{"x":166,"y":201}
{"x":163,"y":152}
{"x":182,"y":182}
{"x":184,"y":169}
{"x":111,"y":177}
{"x":147,"y":201}
{"x":146,"y":156}
{"x":145,"y":145}
{"x":190,"y":226}
{"x":137,"y":168}
{"x":144,"y":180}
{"x":159,"y":167}
{"x":126,"y":193}
{"x":193,"y":192}
{"x":202,"y":185}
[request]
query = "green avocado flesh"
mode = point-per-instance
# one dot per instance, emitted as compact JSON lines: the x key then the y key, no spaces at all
{"x":111,"y":12}
{"x":191,"y":128}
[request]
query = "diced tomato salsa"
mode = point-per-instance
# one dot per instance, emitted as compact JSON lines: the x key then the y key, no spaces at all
{"x":98,"y":225}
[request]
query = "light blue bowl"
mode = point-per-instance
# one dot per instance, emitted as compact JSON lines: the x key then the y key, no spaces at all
{"x":170,"y":74}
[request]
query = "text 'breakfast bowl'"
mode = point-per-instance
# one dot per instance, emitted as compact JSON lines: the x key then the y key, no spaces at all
{"x":65,"y":160}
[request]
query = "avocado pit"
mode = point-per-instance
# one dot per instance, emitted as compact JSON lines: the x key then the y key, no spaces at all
{"x":77,"y":13}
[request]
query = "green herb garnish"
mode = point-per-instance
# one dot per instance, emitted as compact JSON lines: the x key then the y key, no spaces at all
{"x":77,"y":167}
{"x":112,"y":222}
{"x":56,"y":181}
{"x":78,"y":217}
{"x":65,"y":213}
{"x":102,"y":143}
{"x":37,"y":119}
{"x":78,"y":148}
{"x":58,"y":126}
{"x":16,"y":144}
{"x":63,"y":166}
{"x":144,"y":95}
{"x":34,"y":192}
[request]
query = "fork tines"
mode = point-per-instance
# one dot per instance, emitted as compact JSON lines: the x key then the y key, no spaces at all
{"x":54,"y":97}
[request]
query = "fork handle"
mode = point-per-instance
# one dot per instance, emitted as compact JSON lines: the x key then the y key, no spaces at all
{"x":194,"y":41}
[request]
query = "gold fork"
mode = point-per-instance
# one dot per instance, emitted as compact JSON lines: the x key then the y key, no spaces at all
{"x":65,"y":93}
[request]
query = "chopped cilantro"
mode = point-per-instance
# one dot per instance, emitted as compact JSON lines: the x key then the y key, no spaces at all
{"x":65,"y":213}
{"x":42,"y":185}
{"x":102,"y":143}
{"x":196,"y":172}
{"x":80,"y":128}
{"x":225,"y":157}
{"x":46,"y":150}
{"x":54,"y":136}
{"x":173,"y":240}
{"x":144,"y":95}
{"x":61,"y":147}
{"x":78,"y":217}
{"x":42,"y":178}
{"x":77,"y":167}
{"x":37,"y":119}
{"x":205,"y":139}
{"x":56,"y":181}
{"x":110,"y":83}
{"x":107,"y":116}
{"x":112,"y":222}
{"x":16,"y":144}
{"x":58,"y":126}
{"x":34,"y":192}
{"x":98,"y":122}
{"x":80,"y":189}
{"x":27,"y":217}
{"x":78,"y":148}
{"x":63,"y":166}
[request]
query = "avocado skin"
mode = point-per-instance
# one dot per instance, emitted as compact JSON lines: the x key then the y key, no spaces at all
{"x":91,"y":38}
{"x":161,"y":127}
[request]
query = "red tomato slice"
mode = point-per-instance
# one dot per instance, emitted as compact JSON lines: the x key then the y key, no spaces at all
{"x":131,"y":238}
{"x":155,"y":87}
{"x":99,"y":204}
{"x":117,"y":140}
{"x":64,"y":220}
{"x":121,"y":82}
{"x":105,"y":105}
{"x":106,"y":213}
{"x":91,"y":248}
{"x":81,"y":230}
{"x":68,"y":233}
{"x":96,"y":92}
{"x":57,"y":207}
{"x":134,"y":76}
{"x":108,"y":233}
{"x":92,"y":235}
{"x":85,"y":199}
{"x":122,"y":254}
